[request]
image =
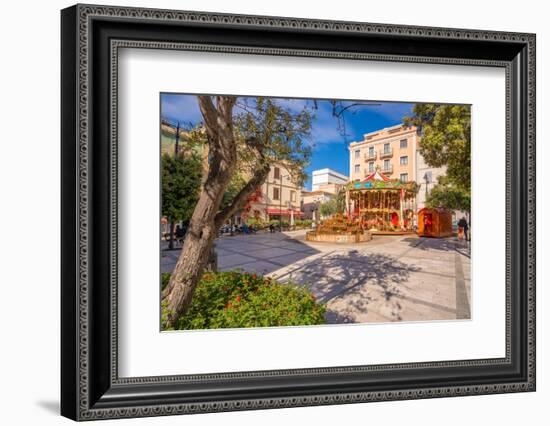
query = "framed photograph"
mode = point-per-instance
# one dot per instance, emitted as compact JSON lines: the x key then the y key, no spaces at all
{"x":263,"y":212}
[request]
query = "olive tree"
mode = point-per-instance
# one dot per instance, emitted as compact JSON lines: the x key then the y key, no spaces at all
{"x":243,"y":136}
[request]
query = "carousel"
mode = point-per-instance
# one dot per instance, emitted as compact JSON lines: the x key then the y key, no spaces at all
{"x":382,"y":205}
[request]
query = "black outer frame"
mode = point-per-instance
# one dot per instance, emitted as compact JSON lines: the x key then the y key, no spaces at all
{"x":90,"y":387}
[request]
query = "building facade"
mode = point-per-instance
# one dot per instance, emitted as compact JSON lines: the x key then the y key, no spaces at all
{"x":327,"y":180}
{"x":311,"y":200}
{"x":391,"y":151}
{"x":394,"y":152}
{"x":278,"y":198}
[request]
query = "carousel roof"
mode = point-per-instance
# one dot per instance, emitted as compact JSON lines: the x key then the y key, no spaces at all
{"x":376,"y":175}
{"x":377,"y":180}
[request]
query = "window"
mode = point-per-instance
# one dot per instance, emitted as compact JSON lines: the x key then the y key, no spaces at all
{"x":371,"y":151}
{"x":357,"y":153}
{"x":386,"y":148}
{"x":276,"y":194}
{"x":293,"y":196}
{"x":404,"y":177}
{"x":276,"y":173}
{"x":357,"y":168}
{"x":404,"y":160}
{"x":371,"y":166}
{"x":387,"y":165}
{"x":403,"y":143}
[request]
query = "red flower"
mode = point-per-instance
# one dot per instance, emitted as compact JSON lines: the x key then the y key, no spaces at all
{"x":238,"y":298}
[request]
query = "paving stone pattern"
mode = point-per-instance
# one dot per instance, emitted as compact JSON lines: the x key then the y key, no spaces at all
{"x":391,"y":278}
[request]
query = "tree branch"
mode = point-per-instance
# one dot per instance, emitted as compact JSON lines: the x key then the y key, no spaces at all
{"x":210,"y":115}
{"x":241,"y":198}
{"x":339,"y":112}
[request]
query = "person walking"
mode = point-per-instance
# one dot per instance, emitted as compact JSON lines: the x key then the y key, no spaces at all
{"x":463,"y":223}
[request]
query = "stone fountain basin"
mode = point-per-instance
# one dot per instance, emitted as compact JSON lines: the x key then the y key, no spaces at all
{"x":342,"y":238}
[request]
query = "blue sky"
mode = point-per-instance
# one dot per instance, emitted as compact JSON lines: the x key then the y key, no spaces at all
{"x":329,"y":146}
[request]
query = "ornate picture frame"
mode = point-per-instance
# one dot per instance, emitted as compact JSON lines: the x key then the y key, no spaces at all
{"x":91,"y":38}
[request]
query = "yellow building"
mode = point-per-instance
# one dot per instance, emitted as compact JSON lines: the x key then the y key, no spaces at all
{"x":279,"y":197}
{"x":391,"y":150}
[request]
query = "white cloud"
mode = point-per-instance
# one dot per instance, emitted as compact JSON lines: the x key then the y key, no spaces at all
{"x":294,"y":105}
{"x":179,"y":107}
{"x":393,"y":110}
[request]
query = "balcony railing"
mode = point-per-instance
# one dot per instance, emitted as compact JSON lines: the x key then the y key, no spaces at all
{"x":370,"y":157}
{"x":388,"y":170}
{"x":386,"y":153}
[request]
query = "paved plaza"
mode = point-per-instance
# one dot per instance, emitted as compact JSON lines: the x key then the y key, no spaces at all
{"x":391,"y":278}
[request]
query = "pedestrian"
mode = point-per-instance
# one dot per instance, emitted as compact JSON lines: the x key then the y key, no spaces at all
{"x":271,"y":228}
{"x":463,"y":226}
{"x":180,"y":234}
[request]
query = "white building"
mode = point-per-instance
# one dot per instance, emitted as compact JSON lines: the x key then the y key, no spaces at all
{"x":326,"y":179}
{"x":311,"y":200}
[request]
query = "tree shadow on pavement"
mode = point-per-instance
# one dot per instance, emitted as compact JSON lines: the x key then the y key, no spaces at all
{"x":447,"y":244}
{"x":427,"y":243}
{"x":356,"y":279}
{"x":333,"y":317}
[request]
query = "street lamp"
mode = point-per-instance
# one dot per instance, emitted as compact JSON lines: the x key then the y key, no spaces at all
{"x":428,"y":179}
{"x":316,"y":209}
{"x":176,"y":146}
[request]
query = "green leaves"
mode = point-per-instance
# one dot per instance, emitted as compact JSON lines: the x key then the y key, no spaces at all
{"x":334,"y":205}
{"x":181,"y":178}
{"x":278,"y":133}
{"x":446,"y":194}
{"x":239,"y":300}
{"x":445,"y":132}
{"x":328,"y":208}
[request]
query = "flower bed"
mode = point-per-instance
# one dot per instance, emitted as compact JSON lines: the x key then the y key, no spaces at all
{"x":239,"y":300}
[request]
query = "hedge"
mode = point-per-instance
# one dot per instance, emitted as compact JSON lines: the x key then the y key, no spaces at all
{"x":238,"y":300}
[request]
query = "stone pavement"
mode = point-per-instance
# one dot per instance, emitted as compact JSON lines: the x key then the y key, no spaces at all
{"x":261,"y":253}
{"x":391,"y":278}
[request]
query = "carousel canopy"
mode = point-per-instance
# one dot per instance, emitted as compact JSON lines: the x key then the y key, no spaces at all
{"x":377,"y":180}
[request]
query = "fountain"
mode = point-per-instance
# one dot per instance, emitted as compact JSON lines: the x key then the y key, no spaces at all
{"x":338,"y":229}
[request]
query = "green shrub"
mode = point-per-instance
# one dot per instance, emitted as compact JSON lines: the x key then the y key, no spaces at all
{"x":258,"y":223}
{"x":276,"y":223}
{"x":305,"y":223}
{"x":164,"y":279}
{"x":237,"y":300}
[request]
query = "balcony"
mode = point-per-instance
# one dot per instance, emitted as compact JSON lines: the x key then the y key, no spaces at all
{"x":387,"y":170}
{"x":386,"y":153}
{"x":370,"y":157}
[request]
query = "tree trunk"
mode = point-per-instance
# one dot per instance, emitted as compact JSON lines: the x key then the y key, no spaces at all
{"x":195,"y":254}
{"x":207,"y":219}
